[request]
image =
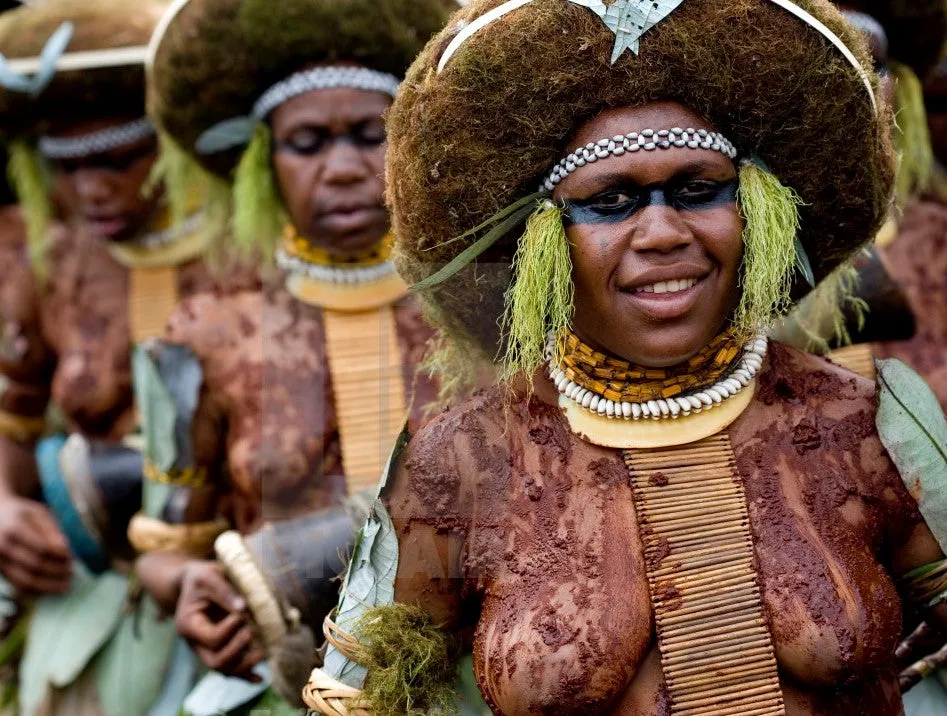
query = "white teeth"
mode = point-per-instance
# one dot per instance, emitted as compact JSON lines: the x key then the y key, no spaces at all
{"x":672,"y":286}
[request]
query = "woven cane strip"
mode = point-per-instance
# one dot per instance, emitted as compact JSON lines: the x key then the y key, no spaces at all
{"x":325,"y":695}
{"x":152,"y":298}
{"x":716,"y":650}
{"x":367,"y":378}
{"x":858,"y":359}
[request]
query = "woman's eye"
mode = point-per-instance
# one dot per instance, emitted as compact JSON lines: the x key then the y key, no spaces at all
{"x":371,"y":135}
{"x":697,"y":191}
{"x":612,"y":200}
{"x":305,"y":141}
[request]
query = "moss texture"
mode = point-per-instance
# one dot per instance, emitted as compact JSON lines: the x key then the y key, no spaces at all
{"x":467,"y":142}
{"x":410,"y":661}
{"x":76,"y":96}
{"x":219,"y":56}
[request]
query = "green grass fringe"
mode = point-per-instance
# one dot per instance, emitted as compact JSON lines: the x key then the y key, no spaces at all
{"x":771,"y":213}
{"x":912,"y":137}
{"x":30,"y":180}
{"x":540,"y":299}
{"x":258,"y":216}
{"x":410,"y":661}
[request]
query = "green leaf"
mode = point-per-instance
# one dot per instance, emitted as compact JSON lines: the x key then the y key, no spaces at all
{"x":157,"y":410}
{"x":138,"y":654}
{"x":912,"y":427}
{"x":67,"y":631}
{"x":370,"y":581}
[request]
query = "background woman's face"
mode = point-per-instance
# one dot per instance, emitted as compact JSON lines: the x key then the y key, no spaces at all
{"x":656,"y":240}
{"x":105,"y":190}
{"x":329,"y":157}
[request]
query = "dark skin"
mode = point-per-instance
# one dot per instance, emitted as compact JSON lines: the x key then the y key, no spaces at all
{"x":329,"y":162}
{"x":510,"y":522}
{"x":638,"y":220}
{"x":105,"y":190}
{"x":329,"y":157}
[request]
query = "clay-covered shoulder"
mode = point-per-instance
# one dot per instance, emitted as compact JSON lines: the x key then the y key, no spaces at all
{"x":794,"y":376}
{"x":447,"y":463}
{"x":207,"y":322}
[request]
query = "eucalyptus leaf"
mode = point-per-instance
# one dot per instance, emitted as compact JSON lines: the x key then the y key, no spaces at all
{"x":802,"y":262}
{"x":912,"y":428}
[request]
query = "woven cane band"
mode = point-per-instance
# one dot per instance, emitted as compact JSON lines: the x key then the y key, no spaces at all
{"x":716,"y":650}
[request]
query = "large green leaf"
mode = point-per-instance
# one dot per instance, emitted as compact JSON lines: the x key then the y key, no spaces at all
{"x":156,"y":408}
{"x":370,"y":581}
{"x":912,"y":427}
{"x":138,"y":654}
{"x":67,"y":631}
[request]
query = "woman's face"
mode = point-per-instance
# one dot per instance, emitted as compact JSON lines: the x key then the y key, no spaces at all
{"x":656,"y":240}
{"x":329,"y":158}
{"x":105,"y":190}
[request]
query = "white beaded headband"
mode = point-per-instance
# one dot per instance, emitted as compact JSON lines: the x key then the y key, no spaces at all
{"x":868,"y":25}
{"x":239,"y":130}
{"x":99,"y":142}
{"x":647,"y":140}
{"x":630,"y":19}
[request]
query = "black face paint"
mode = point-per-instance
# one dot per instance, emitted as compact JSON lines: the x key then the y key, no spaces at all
{"x":616,"y":205}
{"x":310,"y":141}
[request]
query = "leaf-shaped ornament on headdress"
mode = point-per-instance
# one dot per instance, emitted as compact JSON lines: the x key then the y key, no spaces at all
{"x":629,"y":19}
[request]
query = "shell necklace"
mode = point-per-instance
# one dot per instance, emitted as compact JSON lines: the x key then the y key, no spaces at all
{"x":615,"y":389}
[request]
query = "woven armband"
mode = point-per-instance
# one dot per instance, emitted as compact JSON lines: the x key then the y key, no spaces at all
{"x":147,"y":534}
{"x":20,"y":429}
{"x":926,"y":586}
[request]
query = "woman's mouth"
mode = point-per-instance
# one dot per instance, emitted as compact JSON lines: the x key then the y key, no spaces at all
{"x":672,"y":286}
{"x":666,"y":300}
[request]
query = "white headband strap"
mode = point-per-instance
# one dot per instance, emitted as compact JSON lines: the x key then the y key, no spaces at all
{"x":104,"y":140}
{"x":787,"y":5}
{"x":88,"y":60}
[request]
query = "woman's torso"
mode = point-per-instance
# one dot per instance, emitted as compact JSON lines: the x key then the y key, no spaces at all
{"x":554,"y":558}
{"x":269,"y":389}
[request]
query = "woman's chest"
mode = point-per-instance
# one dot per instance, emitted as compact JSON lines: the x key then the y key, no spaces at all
{"x":88,"y":327}
{"x":268,"y":375}
{"x":567,"y":612}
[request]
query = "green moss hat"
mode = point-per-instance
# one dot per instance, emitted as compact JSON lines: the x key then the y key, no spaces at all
{"x":214,"y":59}
{"x":483,"y":132}
{"x":89,"y":81}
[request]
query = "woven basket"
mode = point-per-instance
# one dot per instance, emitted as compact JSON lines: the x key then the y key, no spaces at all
{"x":325,"y":695}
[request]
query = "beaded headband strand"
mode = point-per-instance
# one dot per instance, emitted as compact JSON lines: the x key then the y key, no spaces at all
{"x":99,"y":142}
{"x":647,"y":140}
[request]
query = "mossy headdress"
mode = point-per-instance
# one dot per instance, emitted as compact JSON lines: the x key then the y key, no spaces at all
{"x":65,"y":63}
{"x":213,"y":60}
{"x":479,"y":135}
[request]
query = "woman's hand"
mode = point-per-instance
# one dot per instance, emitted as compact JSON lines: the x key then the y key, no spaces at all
{"x":34,"y":554}
{"x":211,"y":616}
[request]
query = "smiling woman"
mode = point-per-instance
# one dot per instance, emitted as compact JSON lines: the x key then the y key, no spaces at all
{"x":658,"y":511}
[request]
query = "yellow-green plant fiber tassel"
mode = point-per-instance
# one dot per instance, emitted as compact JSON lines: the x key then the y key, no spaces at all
{"x":411,"y":667}
{"x":184,"y":181}
{"x":539,"y":301}
{"x":771,"y":214}
{"x":912,"y":136}
{"x":258,"y":215}
{"x":30,"y":180}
